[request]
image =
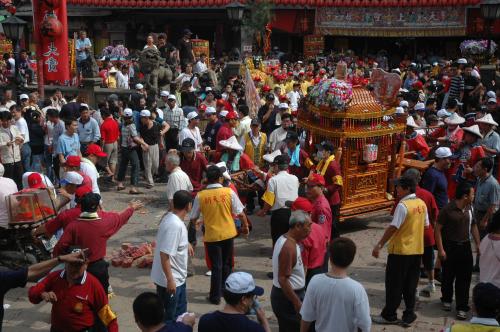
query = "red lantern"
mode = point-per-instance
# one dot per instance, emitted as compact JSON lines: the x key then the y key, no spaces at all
{"x":51,"y":26}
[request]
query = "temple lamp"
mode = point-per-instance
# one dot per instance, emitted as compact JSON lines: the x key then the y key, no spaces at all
{"x":13,"y":28}
{"x":235,"y":11}
{"x":490,"y":10}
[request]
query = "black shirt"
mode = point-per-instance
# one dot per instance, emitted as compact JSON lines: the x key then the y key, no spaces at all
{"x":150,"y":135}
{"x":221,"y":322}
{"x":9,"y":280}
{"x":70,"y":110}
{"x":269,"y":125}
{"x":210,"y":133}
{"x":185,"y":50}
{"x":165,"y":52}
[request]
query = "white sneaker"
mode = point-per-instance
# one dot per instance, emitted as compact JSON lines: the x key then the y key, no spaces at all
{"x":446,"y":306}
{"x":208,"y":273}
{"x":428,"y":290}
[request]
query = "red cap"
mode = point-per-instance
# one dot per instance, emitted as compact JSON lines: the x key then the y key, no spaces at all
{"x":317,"y":80}
{"x":95,"y":150}
{"x":316,"y":180}
{"x":266,"y":88}
{"x":35,"y":181}
{"x":283,"y":98}
{"x":73,"y":161}
{"x":418,"y":85}
{"x":257,"y":78}
{"x":83,"y":190}
{"x":303,"y":204}
{"x":202,"y":107}
{"x":221,"y":102}
{"x":290,"y":73}
{"x":231,"y":115}
{"x":322,"y":71}
{"x":310,"y":73}
{"x":301,"y":73}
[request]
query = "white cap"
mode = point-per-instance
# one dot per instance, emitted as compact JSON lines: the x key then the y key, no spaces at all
{"x":23,"y":96}
{"x":397,"y":70}
{"x":145,"y":113}
{"x":413,"y":64}
{"x":164,"y":93}
{"x":172,"y":97}
{"x":113,"y":70}
{"x":442,"y":113}
{"x":419,"y":107}
{"x":139,"y":86}
{"x":283,"y":105}
{"x":223,"y":167}
{"x":403,"y":103}
{"x":443,"y":152}
{"x":223,"y":113}
{"x":462,"y":61}
{"x":491,"y":94}
{"x":210,"y":110}
{"x":84,"y":105}
{"x":208,"y":89}
{"x":72,"y":178}
{"x":127,"y":112}
{"x":400,"y":110}
{"x":242,"y":283}
{"x":492,"y":100}
{"x":434,"y":64}
{"x":192,"y":115}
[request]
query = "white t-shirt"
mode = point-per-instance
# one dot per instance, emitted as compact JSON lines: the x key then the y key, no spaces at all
{"x":294,"y":98}
{"x":7,"y":187}
{"x":172,"y":240}
{"x":194,"y":134}
{"x":22,"y":125}
{"x":89,"y":169}
{"x":45,"y":180}
{"x":401,"y":212}
{"x":178,"y":180}
{"x":336,"y":304}
{"x":285,"y":187}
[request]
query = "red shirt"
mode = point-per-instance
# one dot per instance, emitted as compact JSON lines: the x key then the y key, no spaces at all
{"x":301,"y":171}
{"x":322,"y":215}
{"x":418,"y":144}
{"x":334,"y":189}
{"x":76,"y":305}
{"x":110,"y":130}
{"x":224,"y":133}
{"x":62,"y":220}
{"x":432,"y":210}
{"x":314,"y":247}
{"x":194,"y":169}
{"x":92,"y":234}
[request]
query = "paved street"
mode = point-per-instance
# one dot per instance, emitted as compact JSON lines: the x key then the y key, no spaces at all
{"x":252,"y":255}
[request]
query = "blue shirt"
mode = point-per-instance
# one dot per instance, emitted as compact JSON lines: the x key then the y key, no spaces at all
{"x":222,"y":322}
{"x":82,"y":55}
{"x":68,"y":145}
{"x":89,"y":131}
{"x":435,"y":182}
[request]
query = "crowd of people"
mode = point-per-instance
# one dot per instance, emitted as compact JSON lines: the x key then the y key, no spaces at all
{"x":221,"y":162}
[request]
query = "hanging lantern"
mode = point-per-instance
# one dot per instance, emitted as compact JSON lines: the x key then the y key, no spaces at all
{"x":51,"y":26}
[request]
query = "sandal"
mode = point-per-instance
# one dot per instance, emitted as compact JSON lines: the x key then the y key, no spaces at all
{"x":120,"y":188}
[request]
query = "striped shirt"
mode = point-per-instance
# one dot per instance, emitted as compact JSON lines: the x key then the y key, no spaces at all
{"x":457,"y":86}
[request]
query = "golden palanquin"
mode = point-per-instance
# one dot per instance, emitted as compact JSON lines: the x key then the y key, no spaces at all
{"x":365,"y":131}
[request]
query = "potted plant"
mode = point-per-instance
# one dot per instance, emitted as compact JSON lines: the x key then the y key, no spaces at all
{"x":478,"y":50}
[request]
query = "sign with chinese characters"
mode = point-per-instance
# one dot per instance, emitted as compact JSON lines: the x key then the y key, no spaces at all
{"x":51,"y":35}
{"x":392,"y":21}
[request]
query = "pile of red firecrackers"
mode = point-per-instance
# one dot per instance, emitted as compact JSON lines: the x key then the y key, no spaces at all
{"x":140,"y":256}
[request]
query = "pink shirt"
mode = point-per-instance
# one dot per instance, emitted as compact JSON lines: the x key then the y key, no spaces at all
{"x":322,"y":215}
{"x":314,"y":247}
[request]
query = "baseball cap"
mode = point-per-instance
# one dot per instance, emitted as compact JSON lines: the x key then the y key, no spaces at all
{"x":73,"y":161}
{"x":202,"y":107}
{"x":82,"y":191}
{"x":242,"y":283}
{"x":231,"y":115}
{"x":301,"y":203}
{"x":255,"y":122}
{"x":400,"y":110}
{"x":127,"y":112}
{"x":283,"y":105}
{"x":72,"y":178}
{"x":291,"y":135}
{"x":419,"y":107}
{"x":172,"y":97}
{"x":442,"y":113}
{"x":492,"y":100}
{"x":186,"y":32}
{"x":145,"y":113}
{"x":210,"y":110}
{"x":316,"y":180}
{"x":164,"y":93}
{"x":491,"y":94}
{"x":266,"y":88}
{"x":223,"y":168}
{"x":187,"y":145}
{"x":443,"y":152}
{"x":193,"y":115}
{"x":35,"y":181}
{"x":95,"y":150}
{"x":403,"y":103}
{"x":84,"y":107}
{"x":208,"y":89}
{"x":462,"y":61}
{"x":223,"y":113}
{"x":139,"y":86}
{"x":23,"y":96}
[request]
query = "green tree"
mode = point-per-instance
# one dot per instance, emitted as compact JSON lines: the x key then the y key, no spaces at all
{"x":259,"y":13}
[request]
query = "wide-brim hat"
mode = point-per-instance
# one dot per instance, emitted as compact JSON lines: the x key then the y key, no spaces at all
{"x":223,"y":168}
{"x":231,"y":143}
{"x":488,"y":119}
{"x":410,"y":122}
{"x":473,"y":130}
{"x":454,"y":119}
{"x":270,"y":156}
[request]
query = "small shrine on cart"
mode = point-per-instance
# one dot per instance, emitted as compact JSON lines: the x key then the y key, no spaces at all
{"x":360,"y":121}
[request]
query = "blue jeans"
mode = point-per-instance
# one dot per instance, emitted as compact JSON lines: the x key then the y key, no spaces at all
{"x":174,"y":305}
{"x":26,"y":157}
{"x":129,"y":155}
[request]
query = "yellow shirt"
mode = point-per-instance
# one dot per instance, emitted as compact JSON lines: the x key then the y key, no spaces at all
{"x":409,"y":238}
{"x":216,"y":207}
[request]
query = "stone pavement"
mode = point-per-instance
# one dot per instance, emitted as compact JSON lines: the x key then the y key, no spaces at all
{"x":252,"y":255}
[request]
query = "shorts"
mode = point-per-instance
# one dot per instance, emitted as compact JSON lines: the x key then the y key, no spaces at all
{"x":428,"y":258}
{"x":111,"y":149}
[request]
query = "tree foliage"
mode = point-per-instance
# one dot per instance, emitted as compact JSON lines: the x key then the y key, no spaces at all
{"x":259,"y":14}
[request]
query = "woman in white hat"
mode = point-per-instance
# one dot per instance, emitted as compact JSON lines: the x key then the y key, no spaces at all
{"x":491,"y":139}
{"x":234,"y":157}
{"x":415,"y":141}
{"x":469,"y":154}
{"x":450,"y":135}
